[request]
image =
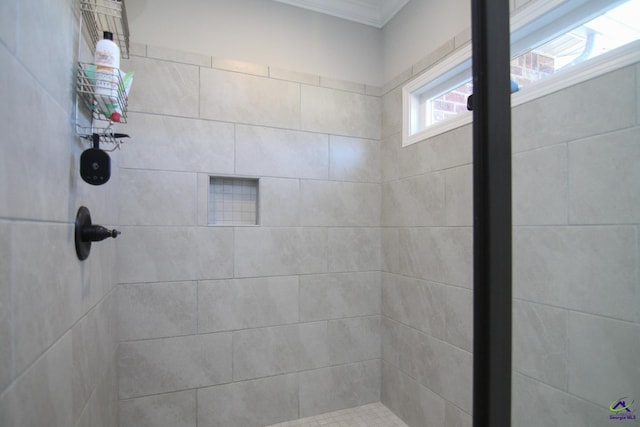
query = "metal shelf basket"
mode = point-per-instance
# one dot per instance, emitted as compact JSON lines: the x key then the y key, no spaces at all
{"x":86,"y":83}
{"x":107,"y":15}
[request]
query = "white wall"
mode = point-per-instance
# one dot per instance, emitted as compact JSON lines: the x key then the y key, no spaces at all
{"x":267,"y":32}
{"x":418,"y":29}
{"x":262,"y":32}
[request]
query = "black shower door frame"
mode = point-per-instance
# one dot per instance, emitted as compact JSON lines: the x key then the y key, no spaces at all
{"x":492,"y":252}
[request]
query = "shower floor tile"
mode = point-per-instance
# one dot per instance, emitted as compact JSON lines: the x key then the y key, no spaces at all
{"x":372,"y":415}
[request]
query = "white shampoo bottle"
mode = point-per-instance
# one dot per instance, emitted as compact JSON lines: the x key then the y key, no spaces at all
{"x":107,"y":60}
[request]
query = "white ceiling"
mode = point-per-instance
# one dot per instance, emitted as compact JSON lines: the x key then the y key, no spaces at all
{"x":370,"y":12}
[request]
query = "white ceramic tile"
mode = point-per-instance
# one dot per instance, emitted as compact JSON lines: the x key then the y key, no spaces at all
{"x":604,"y":177}
{"x":401,"y":394}
{"x":603,"y":357}
{"x":165,"y":410}
{"x":180,"y":56}
{"x":432,"y":407}
{"x":354,"y":159}
{"x":6,"y":339}
{"x":540,"y":343}
{"x":397,"y":80}
{"x":279,"y":251}
{"x":415,"y":201}
{"x":638,"y":93}
{"x":541,"y":186}
{"x":169,"y":143}
{"x":389,"y":153}
{"x":373,"y":90}
{"x":203,"y":192}
{"x":439,"y":254}
{"x":389,"y":332}
{"x":462,"y":38}
{"x":342,"y":85}
{"x":353,"y":340}
{"x":249,"y":99}
{"x":338,"y":112}
{"x":43,"y":395}
{"x":26,"y":194}
{"x":249,"y":403}
{"x":85,"y":417}
{"x":338,"y":295}
{"x":158,"y":198}
{"x":313,"y":350}
{"x":174,"y":253}
{"x":333,"y":203}
{"x":445,"y":369}
{"x":54,"y":66}
{"x":339,"y":387}
{"x":294,"y":76}
{"x":8,"y":23}
{"x":173,"y":364}
{"x":447,"y":150}
{"x":581,"y":268}
{"x":459,"y":317}
{"x":279,"y":202}
{"x":175,"y":143}
{"x":596,"y":106}
{"x":354,"y":249}
{"x":225,"y":305}
{"x":455,"y":417}
{"x":137,"y":49}
{"x":155,"y":310}
{"x":536,"y":404}
{"x":240,"y":67}
{"x":103,"y":404}
{"x":281,"y":153}
{"x":390,"y":258}
{"x":265,"y":352}
{"x":414,"y":404}
{"x":46,"y":300}
{"x":459,"y":196}
{"x":415,"y":303}
{"x":392,"y":112}
{"x":94,"y":342}
{"x":163,"y":87}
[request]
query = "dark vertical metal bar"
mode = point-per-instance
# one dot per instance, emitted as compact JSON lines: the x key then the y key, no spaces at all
{"x":492,"y":214}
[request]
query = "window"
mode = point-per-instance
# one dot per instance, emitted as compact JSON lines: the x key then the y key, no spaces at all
{"x":547,"y":38}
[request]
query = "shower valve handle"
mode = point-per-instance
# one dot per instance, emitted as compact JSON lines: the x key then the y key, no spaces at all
{"x":97,"y":233}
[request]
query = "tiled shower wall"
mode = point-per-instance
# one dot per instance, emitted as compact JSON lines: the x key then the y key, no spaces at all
{"x":250,"y":325}
{"x":57,"y":314}
{"x":576,"y":259}
{"x":576,"y":213}
{"x":426,"y":217}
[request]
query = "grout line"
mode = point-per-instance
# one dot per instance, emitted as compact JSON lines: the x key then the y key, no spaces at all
{"x":568,"y":172}
{"x":199,"y":88}
{"x":197,"y":313}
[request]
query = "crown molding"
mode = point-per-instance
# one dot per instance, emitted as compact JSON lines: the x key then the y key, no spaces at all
{"x":375,"y":13}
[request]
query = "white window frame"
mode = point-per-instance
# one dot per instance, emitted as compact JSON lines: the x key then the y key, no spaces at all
{"x":550,"y":17}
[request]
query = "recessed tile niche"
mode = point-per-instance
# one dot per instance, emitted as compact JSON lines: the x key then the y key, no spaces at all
{"x":233,"y":201}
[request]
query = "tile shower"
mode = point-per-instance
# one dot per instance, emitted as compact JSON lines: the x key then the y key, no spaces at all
{"x":248,"y":325}
{"x":356,"y":286}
